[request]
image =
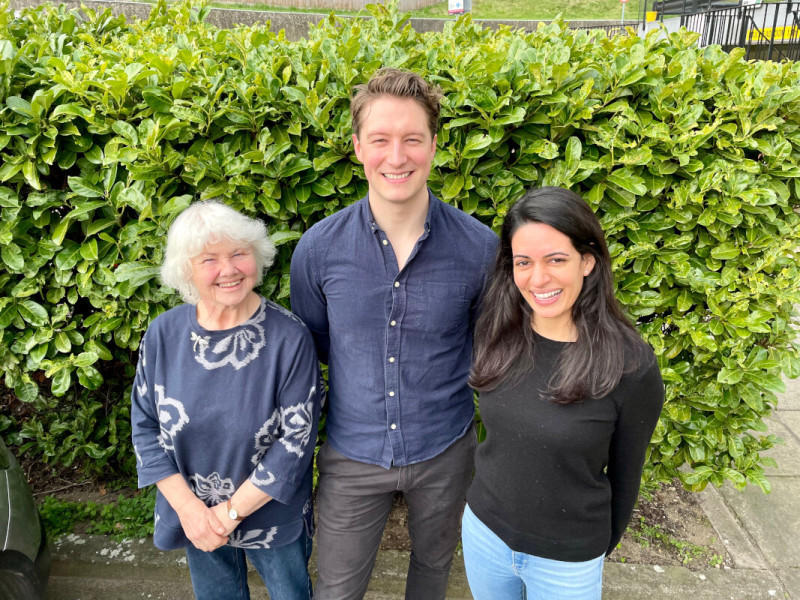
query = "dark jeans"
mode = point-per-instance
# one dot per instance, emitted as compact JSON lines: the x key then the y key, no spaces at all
{"x":222,"y":574}
{"x":354,"y":500}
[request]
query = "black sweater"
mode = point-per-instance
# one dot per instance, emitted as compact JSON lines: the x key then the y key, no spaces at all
{"x":560,"y":481}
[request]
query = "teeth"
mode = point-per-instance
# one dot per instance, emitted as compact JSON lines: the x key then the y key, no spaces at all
{"x":397,"y":175}
{"x":229,"y":284}
{"x":548,"y":295}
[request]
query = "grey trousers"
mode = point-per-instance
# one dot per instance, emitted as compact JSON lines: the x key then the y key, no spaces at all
{"x":353,"y":503}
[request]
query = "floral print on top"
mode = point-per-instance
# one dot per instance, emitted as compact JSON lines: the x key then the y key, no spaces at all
{"x":222,"y":407}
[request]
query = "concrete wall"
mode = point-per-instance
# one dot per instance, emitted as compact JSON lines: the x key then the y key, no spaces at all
{"x":295,"y":25}
{"x":328,"y":5}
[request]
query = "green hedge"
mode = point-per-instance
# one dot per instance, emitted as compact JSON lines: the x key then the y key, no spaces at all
{"x":108,"y":129}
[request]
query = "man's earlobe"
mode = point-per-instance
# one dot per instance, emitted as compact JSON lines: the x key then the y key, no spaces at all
{"x":357,"y":147}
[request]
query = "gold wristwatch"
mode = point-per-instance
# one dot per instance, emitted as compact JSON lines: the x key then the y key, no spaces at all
{"x":233,"y":514}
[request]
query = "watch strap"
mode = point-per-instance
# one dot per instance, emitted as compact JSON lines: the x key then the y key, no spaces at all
{"x":230,"y":508}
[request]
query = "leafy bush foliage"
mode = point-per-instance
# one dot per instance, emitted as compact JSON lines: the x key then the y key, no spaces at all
{"x":689,"y":156}
{"x":123,"y":518}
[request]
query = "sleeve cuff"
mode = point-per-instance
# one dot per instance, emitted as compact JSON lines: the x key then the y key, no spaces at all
{"x":152,"y":474}
{"x":277,"y":489}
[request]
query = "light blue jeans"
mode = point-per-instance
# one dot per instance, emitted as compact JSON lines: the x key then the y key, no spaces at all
{"x":495,"y":572}
{"x":222,"y":574}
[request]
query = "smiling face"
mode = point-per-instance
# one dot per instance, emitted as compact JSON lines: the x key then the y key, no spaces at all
{"x":224,"y":274}
{"x":396,"y":148}
{"x":549,"y":272}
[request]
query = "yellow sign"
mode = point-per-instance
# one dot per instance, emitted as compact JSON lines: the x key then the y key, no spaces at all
{"x":780,"y":34}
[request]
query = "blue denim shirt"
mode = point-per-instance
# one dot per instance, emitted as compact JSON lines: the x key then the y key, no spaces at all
{"x":398,"y":344}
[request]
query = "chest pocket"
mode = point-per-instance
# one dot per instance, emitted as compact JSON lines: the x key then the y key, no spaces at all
{"x":435,"y":307}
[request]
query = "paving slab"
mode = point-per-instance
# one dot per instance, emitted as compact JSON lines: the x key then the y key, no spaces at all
{"x":791,"y":420}
{"x":96,"y":550}
{"x":649,"y":582}
{"x":790,"y":400}
{"x":389,"y":577}
{"x":91,"y":567}
{"x":787,"y":454}
{"x":148,"y":585}
{"x":791,"y":581}
{"x":772,"y":520}
{"x":95,"y":568}
{"x":743,"y":552}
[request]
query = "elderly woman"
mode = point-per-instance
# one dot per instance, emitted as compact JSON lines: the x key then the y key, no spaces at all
{"x":225,"y":408}
{"x":570,"y":396}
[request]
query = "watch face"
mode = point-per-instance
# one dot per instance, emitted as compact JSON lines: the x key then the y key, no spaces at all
{"x":233,"y":514}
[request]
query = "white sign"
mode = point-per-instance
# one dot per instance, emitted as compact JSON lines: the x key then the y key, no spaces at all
{"x":455,"y":7}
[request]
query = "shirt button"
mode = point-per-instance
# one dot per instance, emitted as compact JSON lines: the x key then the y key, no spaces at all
{"x":396,"y":284}
{"x":393,"y":323}
{"x":385,"y":242}
{"x":394,"y":426}
{"x":391,"y":359}
{"x":391,"y":394}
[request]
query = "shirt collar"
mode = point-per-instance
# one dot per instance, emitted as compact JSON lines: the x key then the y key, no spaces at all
{"x":433,"y":211}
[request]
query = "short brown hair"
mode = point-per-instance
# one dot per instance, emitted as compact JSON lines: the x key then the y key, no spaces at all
{"x":401,"y":84}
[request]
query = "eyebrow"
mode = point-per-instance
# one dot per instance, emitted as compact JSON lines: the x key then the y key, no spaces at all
{"x":209,"y":253}
{"x":556,"y":253}
{"x":370,"y":134}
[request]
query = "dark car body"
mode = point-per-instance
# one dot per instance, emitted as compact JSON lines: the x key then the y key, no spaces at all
{"x":24,"y":555}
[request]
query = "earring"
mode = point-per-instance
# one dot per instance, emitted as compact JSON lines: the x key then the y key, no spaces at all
{"x":586,"y":272}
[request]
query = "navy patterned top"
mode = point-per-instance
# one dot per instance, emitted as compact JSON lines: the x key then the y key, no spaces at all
{"x":221,"y":407}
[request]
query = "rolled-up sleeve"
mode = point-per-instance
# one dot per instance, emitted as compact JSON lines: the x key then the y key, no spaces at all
{"x":153,"y":462}
{"x":280,"y":471}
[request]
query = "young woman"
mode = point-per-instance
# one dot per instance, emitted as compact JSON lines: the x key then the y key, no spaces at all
{"x":570,"y":396}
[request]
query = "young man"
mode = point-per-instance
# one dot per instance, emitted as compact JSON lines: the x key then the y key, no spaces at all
{"x":390,"y":288}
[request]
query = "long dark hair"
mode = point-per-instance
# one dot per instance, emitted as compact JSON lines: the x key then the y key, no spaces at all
{"x":593,"y":365}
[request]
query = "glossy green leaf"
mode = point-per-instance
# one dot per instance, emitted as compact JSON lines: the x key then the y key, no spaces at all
{"x":157,"y":99}
{"x":136,"y":273}
{"x":12,"y":257}
{"x":8,"y":312}
{"x":82,"y":187}
{"x":61,"y":382}
{"x":282,"y":237}
{"x":33,"y":313}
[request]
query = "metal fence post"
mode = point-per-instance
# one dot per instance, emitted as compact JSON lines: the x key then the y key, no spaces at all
{"x":743,"y":30}
{"x":774,"y":29}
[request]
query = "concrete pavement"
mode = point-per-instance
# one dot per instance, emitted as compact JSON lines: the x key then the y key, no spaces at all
{"x":760,"y":532}
{"x":761,"y":529}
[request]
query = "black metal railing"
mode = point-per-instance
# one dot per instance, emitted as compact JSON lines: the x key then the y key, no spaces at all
{"x":690,"y":7}
{"x":766,"y":31}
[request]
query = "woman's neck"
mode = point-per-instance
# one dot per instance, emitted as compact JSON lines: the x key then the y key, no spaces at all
{"x":556,"y":330}
{"x":218,"y":318}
